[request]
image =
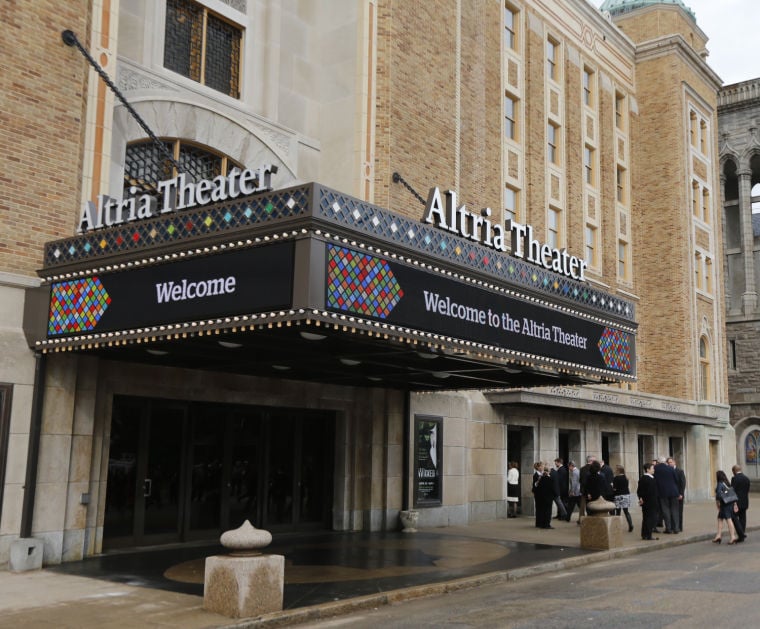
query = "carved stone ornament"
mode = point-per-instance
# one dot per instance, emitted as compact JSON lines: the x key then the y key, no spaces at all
{"x":246,"y":540}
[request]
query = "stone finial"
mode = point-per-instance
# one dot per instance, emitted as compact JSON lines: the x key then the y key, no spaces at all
{"x":600,"y":506}
{"x":246,"y":540}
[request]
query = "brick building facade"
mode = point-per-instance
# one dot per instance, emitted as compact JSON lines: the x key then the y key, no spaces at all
{"x":598,"y":131}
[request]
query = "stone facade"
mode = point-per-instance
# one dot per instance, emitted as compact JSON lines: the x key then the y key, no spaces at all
{"x":349,"y":93}
{"x":738,"y":107}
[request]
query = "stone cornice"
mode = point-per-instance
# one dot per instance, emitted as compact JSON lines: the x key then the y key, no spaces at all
{"x":611,"y":401}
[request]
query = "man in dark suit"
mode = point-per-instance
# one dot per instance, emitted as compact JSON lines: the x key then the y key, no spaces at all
{"x":561,"y":486}
{"x":667,"y":492}
{"x":740,"y":483}
{"x":584,"y":473}
{"x":647,"y":493}
{"x":681,"y":480}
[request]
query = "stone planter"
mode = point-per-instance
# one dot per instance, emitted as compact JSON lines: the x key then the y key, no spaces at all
{"x":409,"y":521}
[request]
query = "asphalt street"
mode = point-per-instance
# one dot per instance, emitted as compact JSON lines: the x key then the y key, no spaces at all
{"x":691,"y":586}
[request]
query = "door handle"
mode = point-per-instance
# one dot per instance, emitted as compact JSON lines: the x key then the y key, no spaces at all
{"x":147,"y":487}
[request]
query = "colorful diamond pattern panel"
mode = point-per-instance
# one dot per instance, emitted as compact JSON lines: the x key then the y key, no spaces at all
{"x":616,"y":350}
{"x":178,"y":226}
{"x":360,"y":283}
{"x":77,"y":306}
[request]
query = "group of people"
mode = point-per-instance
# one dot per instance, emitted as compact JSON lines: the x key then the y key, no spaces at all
{"x":568,"y":487}
{"x":661,"y":491}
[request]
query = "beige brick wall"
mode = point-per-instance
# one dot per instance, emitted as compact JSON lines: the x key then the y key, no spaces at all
{"x":41,"y":127}
{"x":419,"y":137}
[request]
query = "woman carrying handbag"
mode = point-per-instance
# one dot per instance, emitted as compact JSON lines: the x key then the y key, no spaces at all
{"x":725,"y":500}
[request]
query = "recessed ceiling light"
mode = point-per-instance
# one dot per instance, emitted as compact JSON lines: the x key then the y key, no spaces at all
{"x":157,"y":352}
{"x":230,"y":345}
{"x":280,"y":367}
{"x":441,"y":374}
{"x":350,"y":362}
{"x":311,"y":336}
{"x":427,"y":355}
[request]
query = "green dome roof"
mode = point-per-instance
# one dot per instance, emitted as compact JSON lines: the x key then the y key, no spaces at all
{"x":617,"y":7}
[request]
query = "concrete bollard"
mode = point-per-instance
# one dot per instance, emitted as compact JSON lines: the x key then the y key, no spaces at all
{"x":244,"y":583}
{"x":601,"y":531}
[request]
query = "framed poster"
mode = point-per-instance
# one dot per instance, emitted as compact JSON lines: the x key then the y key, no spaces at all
{"x":428,"y":461}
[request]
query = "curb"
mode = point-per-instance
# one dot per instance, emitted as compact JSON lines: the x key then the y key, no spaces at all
{"x":334,"y":609}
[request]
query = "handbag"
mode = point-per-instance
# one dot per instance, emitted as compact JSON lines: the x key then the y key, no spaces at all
{"x":727,"y":494}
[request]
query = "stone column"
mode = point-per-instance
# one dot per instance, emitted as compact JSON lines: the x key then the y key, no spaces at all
{"x":749,"y":297}
{"x":727,"y":276}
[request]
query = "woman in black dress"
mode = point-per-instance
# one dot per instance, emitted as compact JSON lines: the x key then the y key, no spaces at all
{"x":725,"y":509}
{"x":622,"y":495}
{"x":543,"y":493}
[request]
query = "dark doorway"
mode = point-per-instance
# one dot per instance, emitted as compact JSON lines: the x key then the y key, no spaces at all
{"x":181,"y":471}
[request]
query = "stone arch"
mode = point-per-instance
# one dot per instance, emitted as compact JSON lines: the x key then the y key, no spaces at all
{"x":747,"y":431}
{"x":247,"y":142}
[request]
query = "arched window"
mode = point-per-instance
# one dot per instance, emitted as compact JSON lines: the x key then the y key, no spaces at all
{"x":751,"y":445}
{"x":145,"y":164}
{"x":704,"y":369}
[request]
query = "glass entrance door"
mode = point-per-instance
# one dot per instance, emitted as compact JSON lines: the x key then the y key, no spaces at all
{"x":182,"y":471}
{"x":144,"y":493}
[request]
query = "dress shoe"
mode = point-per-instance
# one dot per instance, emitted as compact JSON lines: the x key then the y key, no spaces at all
{"x":668,"y":532}
{"x":630,"y":529}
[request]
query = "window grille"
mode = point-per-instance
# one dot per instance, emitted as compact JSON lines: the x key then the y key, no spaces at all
{"x":202,"y":46}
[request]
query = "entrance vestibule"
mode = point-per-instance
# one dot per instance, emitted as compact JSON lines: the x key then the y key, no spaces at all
{"x":181,"y":471}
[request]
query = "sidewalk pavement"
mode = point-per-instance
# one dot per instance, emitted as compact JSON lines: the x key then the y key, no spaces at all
{"x":45,"y":598}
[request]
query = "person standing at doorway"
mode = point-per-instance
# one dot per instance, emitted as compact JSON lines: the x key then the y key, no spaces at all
{"x":559,"y":477}
{"x":647,"y":493}
{"x":740,"y":483}
{"x":574,"y":489}
{"x":584,"y":474}
{"x":513,"y":489}
{"x":681,"y":480}
{"x":543,"y":493}
{"x":667,"y":491}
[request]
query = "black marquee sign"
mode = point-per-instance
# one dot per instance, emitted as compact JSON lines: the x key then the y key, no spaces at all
{"x":231,"y":283}
{"x":402,"y":295}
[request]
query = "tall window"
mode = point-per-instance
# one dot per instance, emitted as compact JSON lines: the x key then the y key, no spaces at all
{"x":588,"y":164}
{"x":552,"y":151}
{"x":510,"y":120}
{"x":708,"y":276}
{"x":623,"y":260}
{"x":620,"y":184}
{"x":698,"y":270}
{"x":703,"y":137}
{"x":619,"y":110}
{"x":705,"y":205}
{"x":587,"y":87}
{"x":510,"y":32}
{"x":511,"y":203}
{"x":551,"y":59}
{"x":553,"y":228}
{"x":202,"y":46}
{"x":591,"y":247}
{"x":704,"y":370}
{"x":693,"y":128}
